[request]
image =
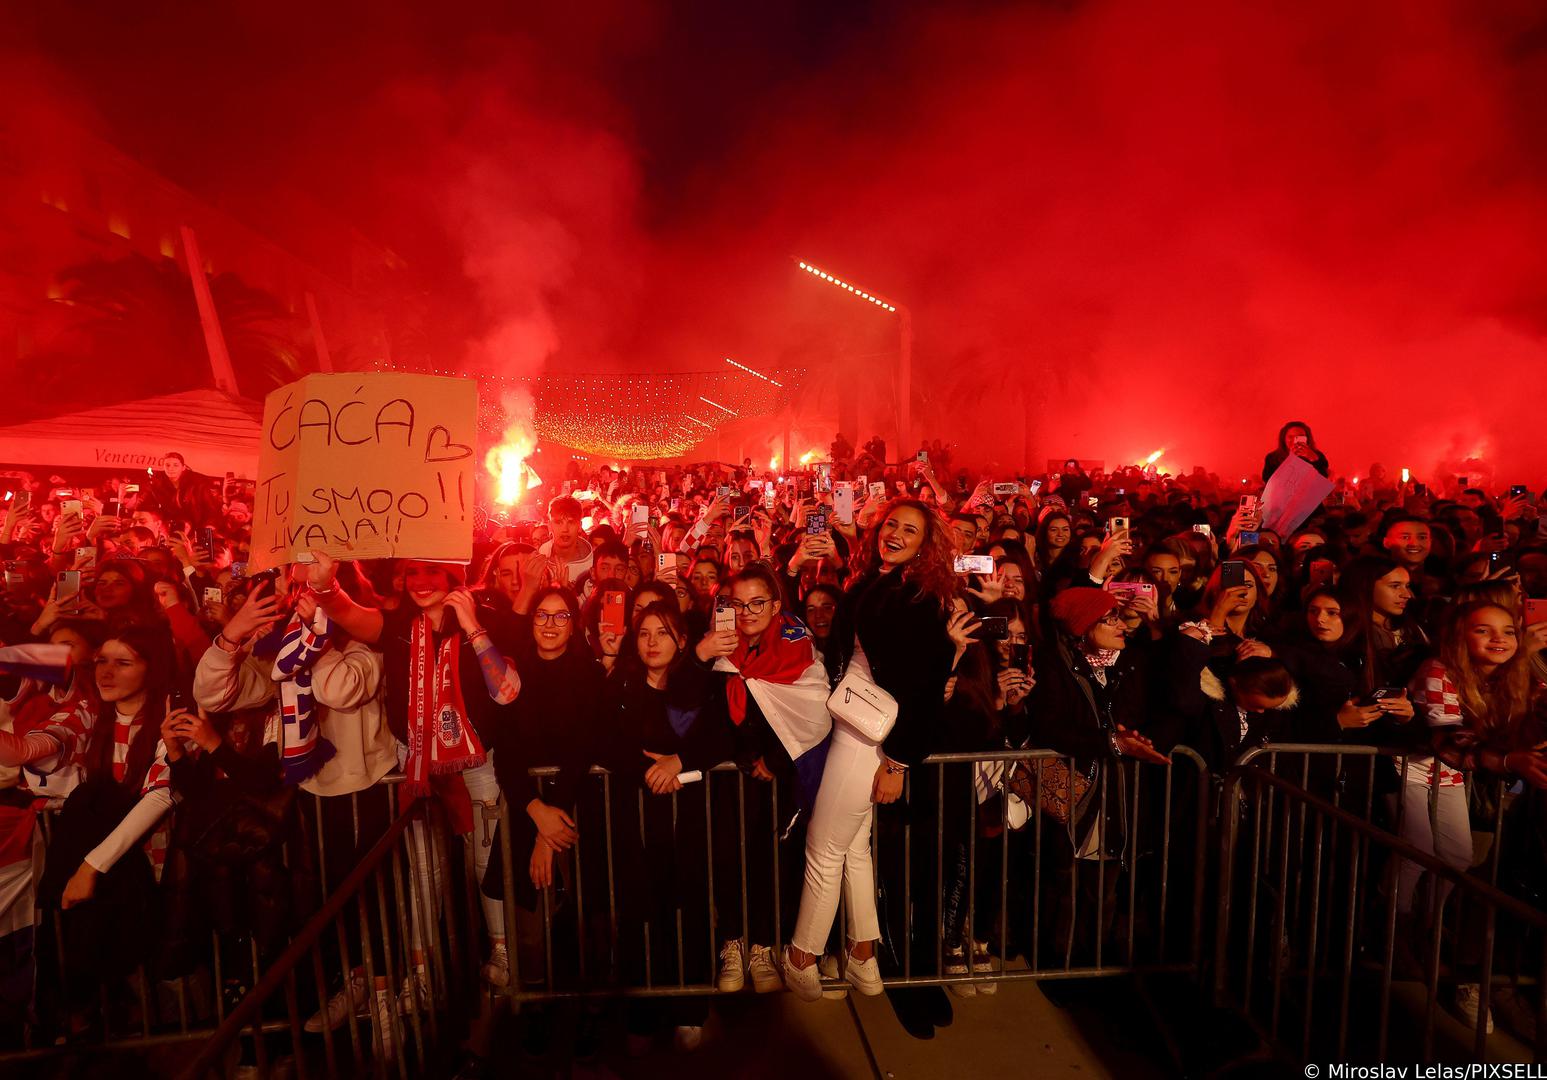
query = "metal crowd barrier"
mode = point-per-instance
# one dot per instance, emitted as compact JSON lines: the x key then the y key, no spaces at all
{"x":1293,"y":867}
{"x":1319,"y":962}
{"x":1139,"y":892}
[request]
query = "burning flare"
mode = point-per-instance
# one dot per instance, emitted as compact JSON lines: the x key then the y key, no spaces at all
{"x":507,"y":462}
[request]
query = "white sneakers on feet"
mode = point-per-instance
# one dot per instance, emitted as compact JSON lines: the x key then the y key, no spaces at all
{"x":828,"y":966}
{"x":805,"y":983}
{"x":983,"y":964}
{"x":764,"y":972}
{"x":732,"y":968}
{"x":1469,"y":1001}
{"x":955,"y":966}
{"x":496,"y":970}
{"x":864,"y":975}
{"x":336,"y":1011}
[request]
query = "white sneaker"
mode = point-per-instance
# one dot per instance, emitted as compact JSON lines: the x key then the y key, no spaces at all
{"x":1469,"y":1001}
{"x":983,"y":964}
{"x":336,"y":1011}
{"x":688,"y":1038}
{"x":764,"y":972}
{"x":415,"y":993}
{"x":805,"y":983}
{"x":864,"y":975}
{"x":732,"y":968}
{"x":496,"y":970}
{"x":955,"y":965}
{"x":828,"y":966}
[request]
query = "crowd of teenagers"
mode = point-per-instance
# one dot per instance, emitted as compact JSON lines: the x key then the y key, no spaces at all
{"x":659,"y":622}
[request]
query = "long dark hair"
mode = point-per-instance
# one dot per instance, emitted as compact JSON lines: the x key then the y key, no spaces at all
{"x":571,"y":605}
{"x":932,"y":570}
{"x":152,"y":644}
{"x":1283,"y":435}
{"x":1356,"y":589}
{"x":629,"y":666}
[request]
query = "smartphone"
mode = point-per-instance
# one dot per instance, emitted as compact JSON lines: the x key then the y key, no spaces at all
{"x":1204,"y":530}
{"x":724,"y":491}
{"x":1381,"y":693}
{"x":974,"y":564}
{"x":824,"y":477}
{"x":179,"y":699}
{"x":213,"y":595}
{"x":1035,"y":486}
{"x":1536,"y":611}
{"x":209,"y":542}
{"x":741,"y":513}
{"x":724,"y":617}
{"x":816,"y":523}
{"x":87,"y":558}
{"x":1117,"y":525}
{"x":1130,"y":590}
{"x":238,"y":569}
{"x":878,"y":490}
{"x":993,"y":628}
{"x":69,"y":506}
{"x":1495,"y":560}
{"x":14,"y":577}
{"x":130,"y":489}
{"x":770,"y":497}
{"x":1232,"y":574}
{"x":1020,"y":656}
{"x":69,"y":585}
{"x":1250,"y":537}
{"x":1249,"y":504}
{"x":614,"y":616}
{"x":639,"y":514}
{"x":861,"y":482}
{"x":843,"y":502}
{"x":1006,"y":489}
{"x":23,"y":501}
{"x":271,"y":575}
{"x":922,"y":456}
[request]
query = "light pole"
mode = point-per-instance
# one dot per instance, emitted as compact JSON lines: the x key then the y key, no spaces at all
{"x":904,"y":350}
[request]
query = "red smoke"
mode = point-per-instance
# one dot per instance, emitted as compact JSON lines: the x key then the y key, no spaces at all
{"x":1158,"y":224}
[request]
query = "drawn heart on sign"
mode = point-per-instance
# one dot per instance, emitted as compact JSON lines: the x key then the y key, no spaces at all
{"x":448,"y":450}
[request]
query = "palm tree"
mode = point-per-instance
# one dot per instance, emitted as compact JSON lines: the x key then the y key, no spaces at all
{"x":132,"y":330}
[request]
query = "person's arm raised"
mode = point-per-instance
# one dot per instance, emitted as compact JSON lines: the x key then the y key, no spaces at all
{"x":361,"y":623}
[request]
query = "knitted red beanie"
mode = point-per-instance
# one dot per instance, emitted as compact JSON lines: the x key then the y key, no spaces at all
{"x":1078,"y":609}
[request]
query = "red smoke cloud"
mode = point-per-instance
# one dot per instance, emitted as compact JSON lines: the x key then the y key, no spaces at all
{"x":1154,"y":225}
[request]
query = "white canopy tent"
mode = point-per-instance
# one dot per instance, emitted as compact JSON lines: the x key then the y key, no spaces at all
{"x":215,"y":432}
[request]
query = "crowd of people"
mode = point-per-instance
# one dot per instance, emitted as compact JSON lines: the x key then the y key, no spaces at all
{"x":659,"y":622}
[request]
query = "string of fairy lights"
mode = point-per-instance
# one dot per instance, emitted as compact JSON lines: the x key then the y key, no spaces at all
{"x":637,"y":416}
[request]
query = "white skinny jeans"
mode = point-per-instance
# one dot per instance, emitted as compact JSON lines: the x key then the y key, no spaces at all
{"x":838,"y":846}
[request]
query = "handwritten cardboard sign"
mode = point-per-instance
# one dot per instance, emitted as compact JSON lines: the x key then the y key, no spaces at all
{"x":1292,"y":494}
{"x":366,"y":466}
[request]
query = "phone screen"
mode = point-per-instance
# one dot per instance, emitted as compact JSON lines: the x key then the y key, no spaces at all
{"x":69,"y":585}
{"x":1232,"y":574}
{"x":993,"y":628}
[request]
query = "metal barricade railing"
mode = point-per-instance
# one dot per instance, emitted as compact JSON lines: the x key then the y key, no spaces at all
{"x":1308,"y":943}
{"x":1135,"y":890}
{"x":192,"y":1006}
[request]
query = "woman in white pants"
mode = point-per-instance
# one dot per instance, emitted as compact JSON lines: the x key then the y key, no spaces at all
{"x":1476,"y":695}
{"x":893,"y":621}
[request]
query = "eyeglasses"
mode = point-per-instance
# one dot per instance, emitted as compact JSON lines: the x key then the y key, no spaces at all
{"x":751,"y":607}
{"x":1112,"y":620}
{"x":557,"y":618}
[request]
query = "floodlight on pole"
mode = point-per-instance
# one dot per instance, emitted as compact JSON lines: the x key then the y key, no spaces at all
{"x":904,"y":349}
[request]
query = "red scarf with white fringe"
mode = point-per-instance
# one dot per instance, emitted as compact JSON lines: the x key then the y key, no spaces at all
{"x":440,"y":737}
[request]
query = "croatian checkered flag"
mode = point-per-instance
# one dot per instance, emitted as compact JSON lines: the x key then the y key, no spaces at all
{"x":305,"y":750}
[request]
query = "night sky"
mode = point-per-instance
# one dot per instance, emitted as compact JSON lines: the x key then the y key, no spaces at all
{"x":1156,"y":224}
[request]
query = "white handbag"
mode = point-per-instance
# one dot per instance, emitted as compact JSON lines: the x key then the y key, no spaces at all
{"x":859,"y":702}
